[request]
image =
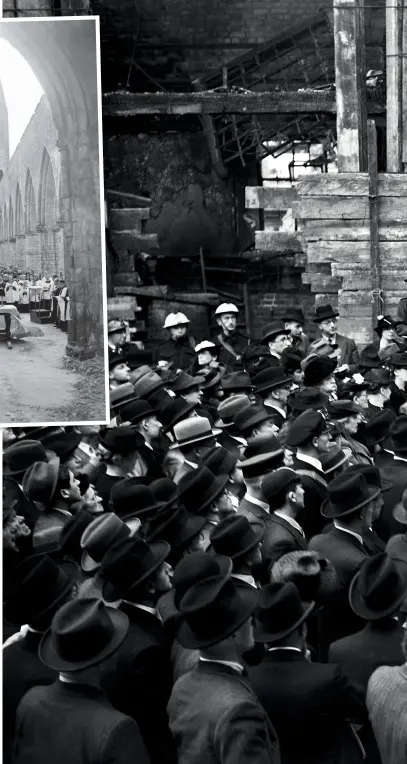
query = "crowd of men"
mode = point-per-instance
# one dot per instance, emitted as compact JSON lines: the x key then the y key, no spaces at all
{"x":32,"y":291}
{"x":219,"y":576}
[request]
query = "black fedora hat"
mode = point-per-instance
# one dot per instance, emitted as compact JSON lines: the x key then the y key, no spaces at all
{"x":318,"y":369}
{"x":184,"y":381}
{"x":237,"y":381}
{"x":122,"y":395}
{"x":372,"y":476}
{"x":220,"y":461}
{"x":128,"y":564}
{"x":308,"y":398}
{"x":178,"y":528}
{"x":38,"y":584}
{"x":271,"y":378}
{"x":398,"y":434}
{"x":368,"y":358}
{"x":273,"y":330}
{"x":324,"y":313}
{"x":174,"y":411}
{"x":264,"y":453}
{"x":213,"y":609}
{"x":342,"y":409}
{"x":278,"y":481}
{"x":213,"y":378}
{"x":136,"y":411}
{"x":398,"y":360}
{"x":377,"y":428}
{"x":294,"y":314}
{"x":83,"y":633}
{"x":117,"y":360}
{"x":63,"y":443}
{"x":69,"y":543}
{"x":251,"y":416}
{"x":40,"y":481}
{"x":308,"y":425}
{"x":129,"y":497}
{"x":379,"y":378}
{"x":235,"y":536}
{"x":100,"y":536}
{"x":199,"y":488}
{"x":379,"y":587}
{"x":22,"y":455}
{"x":347,"y":493}
{"x":165,"y":491}
{"x":122,"y":440}
{"x":384,"y":322}
{"x":279,"y":612}
{"x":40,"y":433}
{"x":334,"y":458}
{"x":291,"y":360}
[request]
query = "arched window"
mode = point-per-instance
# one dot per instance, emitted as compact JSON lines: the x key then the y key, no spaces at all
{"x":19,"y":228}
{"x":10,"y":220}
{"x":30,"y":205}
{"x":1,"y":227}
{"x":48,"y":195}
{"x":5,"y":218}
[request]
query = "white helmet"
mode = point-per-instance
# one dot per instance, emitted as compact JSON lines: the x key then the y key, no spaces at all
{"x":226,"y":307}
{"x":175,"y":319}
{"x":205,"y":345}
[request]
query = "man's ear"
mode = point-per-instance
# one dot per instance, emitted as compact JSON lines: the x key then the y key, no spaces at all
{"x":64,"y":493}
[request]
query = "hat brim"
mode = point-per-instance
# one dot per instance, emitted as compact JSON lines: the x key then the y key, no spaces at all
{"x":50,"y":657}
{"x":359,"y":606}
{"x":88,"y":564}
{"x":299,"y":406}
{"x":263,"y":635}
{"x":218,"y":485}
{"x":207,"y":436}
{"x":327,"y":510}
{"x":259,"y":459}
{"x":270,"y":335}
{"x":258,"y":529}
{"x":245,"y":602}
{"x":325,"y":318}
{"x":129,"y":399}
{"x":256,"y":419}
{"x":179,"y":417}
{"x":347,"y":455}
{"x":11,"y":608}
{"x":146,"y":415}
{"x":112,"y":592}
{"x":273,"y":385}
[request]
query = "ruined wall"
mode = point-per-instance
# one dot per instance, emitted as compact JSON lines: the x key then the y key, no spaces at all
{"x":30,"y":226}
{"x":191,"y":205}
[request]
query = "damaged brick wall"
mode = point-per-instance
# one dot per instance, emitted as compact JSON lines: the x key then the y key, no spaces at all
{"x":191,"y":206}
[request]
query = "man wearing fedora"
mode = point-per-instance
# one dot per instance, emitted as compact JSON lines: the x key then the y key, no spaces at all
{"x":123,"y":444}
{"x":394,"y":473}
{"x":139,"y":685}
{"x":379,"y":391}
{"x":230,"y":339}
{"x":274,"y":386}
{"x":310,"y":704}
{"x":319,"y":373}
{"x":241,"y":541}
{"x":214,"y":714}
{"x":277,"y":338}
{"x":38,"y":588}
{"x":144,"y":419}
{"x":179,"y":350}
{"x":294,"y":321}
{"x":16,"y":461}
{"x":327,"y":319}
{"x":349,"y":505}
{"x":263,"y":455}
{"x":308,"y":435}
{"x":347,"y":418}
{"x":284,"y":493}
{"x":119,"y":371}
{"x":116,"y":337}
{"x":376,"y":595}
{"x":256,"y":420}
{"x":203,"y":493}
{"x":387,"y":705}
{"x":71,"y":721}
{"x":193,"y":439}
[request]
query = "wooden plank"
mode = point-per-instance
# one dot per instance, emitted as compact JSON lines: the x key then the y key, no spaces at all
{"x":140,"y":201}
{"x":123,"y":104}
{"x":374,"y":223}
{"x":404,"y":89}
{"x":392,"y":252}
{"x":394,"y":84}
{"x":267,"y":198}
{"x":351,"y":184}
{"x":351,"y":108}
{"x":341,"y":208}
{"x":332,"y":230}
{"x":278,"y":242}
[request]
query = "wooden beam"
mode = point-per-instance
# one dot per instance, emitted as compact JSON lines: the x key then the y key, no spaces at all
{"x":375,"y":268}
{"x":270,"y":102}
{"x":269,"y":198}
{"x":141,"y":201}
{"x":404,"y":86}
{"x":350,"y":85}
{"x":394,"y":46}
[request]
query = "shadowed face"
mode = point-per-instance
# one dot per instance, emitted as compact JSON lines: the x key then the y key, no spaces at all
{"x":228,"y":322}
{"x":177,"y":332}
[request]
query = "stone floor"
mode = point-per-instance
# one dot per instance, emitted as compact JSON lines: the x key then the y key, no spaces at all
{"x":36,"y":385}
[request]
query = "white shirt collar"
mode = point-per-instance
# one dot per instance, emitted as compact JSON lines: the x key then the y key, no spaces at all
{"x":151,"y":610}
{"x":259,"y":503}
{"x":236,"y":666}
{"x":273,"y":649}
{"x":247,"y":579}
{"x":400,"y":459}
{"x":310,"y":460}
{"x":67,"y":680}
{"x":289,"y":520}
{"x":241,"y":441}
{"x":347,"y":530}
{"x":191,"y":464}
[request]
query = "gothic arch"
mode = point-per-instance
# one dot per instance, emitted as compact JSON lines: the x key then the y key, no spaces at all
{"x":5,"y":216}
{"x":10,"y":219}
{"x":47,"y":192}
{"x":1,"y":227}
{"x":30,"y":204}
{"x":19,"y":221}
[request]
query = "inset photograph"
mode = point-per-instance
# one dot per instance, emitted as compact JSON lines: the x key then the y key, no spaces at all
{"x":52,"y":260}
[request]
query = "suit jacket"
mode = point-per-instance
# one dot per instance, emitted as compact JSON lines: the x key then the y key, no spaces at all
{"x":278,"y":417}
{"x":387,"y":705}
{"x":22,"y":669}
{"x":216,"y":718}
{"x":383,"y":459}
{"x":181,"y":354}
{"x":238,"y":342}
{"x":315,"y":492}
{"x":360,"y":654}
{"x":139,"y":685}
{"x":346,"y":555}
{"x":396,"y":473}
{"x":310,"y":705}
{"x":74,"y":724}
{"x":349,"y":352}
